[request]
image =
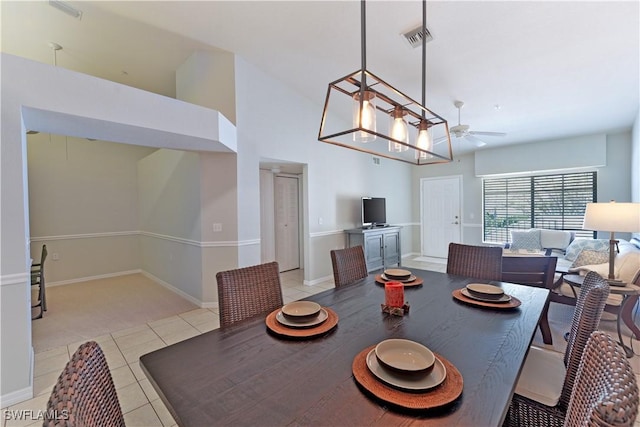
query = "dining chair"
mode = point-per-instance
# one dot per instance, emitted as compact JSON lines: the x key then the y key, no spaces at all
{"x":37,"y":280}
{"x":544,"y":388}
{"x":538,"y":271}
{"x":606,"y":388}
{"x":84,"y":394}
{"x":248,"y":292}
{"x":479,"y":262}
{"x":349,"y":265}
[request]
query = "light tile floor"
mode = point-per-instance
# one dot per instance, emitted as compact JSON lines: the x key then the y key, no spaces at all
{"x":140,"y":403}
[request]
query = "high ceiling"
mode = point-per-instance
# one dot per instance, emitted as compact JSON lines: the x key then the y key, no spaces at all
{"x":535,"y":70}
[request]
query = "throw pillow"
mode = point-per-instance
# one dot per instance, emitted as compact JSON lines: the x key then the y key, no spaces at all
{"x":589,"y":257}
{"x":578,"y":245}
{"x":526,"y":240}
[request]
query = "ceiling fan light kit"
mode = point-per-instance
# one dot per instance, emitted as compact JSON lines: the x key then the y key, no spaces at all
{"x":384,"y":121}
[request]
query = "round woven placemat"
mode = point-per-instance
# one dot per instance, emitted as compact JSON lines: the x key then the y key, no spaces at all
{"x":285,"y":331}
{"x":445,"y":393}
{"x":416,"y":282}
{"x":513,"y":303}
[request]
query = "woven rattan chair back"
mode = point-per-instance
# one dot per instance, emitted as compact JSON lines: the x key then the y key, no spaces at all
{"x":247,"y":292}
{"x":84,"y":395}
{"x":349,"y":265}
{"x":479,"y":262}
{"x":586,"y":318}
{"x":606,"y":389}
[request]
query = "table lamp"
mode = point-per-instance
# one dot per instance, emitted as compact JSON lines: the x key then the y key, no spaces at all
{"x":612,"y":217}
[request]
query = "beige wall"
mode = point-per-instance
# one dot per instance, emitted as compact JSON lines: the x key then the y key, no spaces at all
{"x":83,"y":203}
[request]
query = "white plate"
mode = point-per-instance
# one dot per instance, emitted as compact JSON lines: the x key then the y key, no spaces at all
{"x":406,"y":382}
{"x":483,"y":288}
{"x":389,"y":279}
{"x":322,"y":316}
{"x":503,"y":298}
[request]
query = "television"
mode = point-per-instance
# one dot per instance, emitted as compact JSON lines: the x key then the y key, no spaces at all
{"x":374,"y":212}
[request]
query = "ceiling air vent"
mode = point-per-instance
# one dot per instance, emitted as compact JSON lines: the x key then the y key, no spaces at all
{"x":414,"y":37}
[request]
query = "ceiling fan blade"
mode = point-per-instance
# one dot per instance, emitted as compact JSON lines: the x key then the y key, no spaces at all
{"x":477,"y":132}
{"x":477,"y":141}
{"x":439,"y":140}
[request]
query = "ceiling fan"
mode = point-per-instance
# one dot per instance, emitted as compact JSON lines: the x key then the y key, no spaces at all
{"x":463,"y":131}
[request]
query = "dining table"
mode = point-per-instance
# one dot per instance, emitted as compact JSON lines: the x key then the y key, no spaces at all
{"x":247,"y":375}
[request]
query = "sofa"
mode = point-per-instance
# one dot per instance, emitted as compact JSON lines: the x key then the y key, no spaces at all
{"x":626,"y":265}
{"x":579,"y":256}
{"x":539,"y":241}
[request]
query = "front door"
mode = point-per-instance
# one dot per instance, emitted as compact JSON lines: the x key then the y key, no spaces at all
{"x":440,"y":214}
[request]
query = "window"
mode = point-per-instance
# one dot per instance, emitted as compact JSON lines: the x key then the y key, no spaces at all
{"x":554,"y":202}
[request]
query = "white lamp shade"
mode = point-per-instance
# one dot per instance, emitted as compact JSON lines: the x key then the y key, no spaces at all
{"x":612,"y":217}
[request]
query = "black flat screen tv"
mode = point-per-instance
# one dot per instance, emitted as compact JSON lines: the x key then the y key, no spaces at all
{"x":374,"y":212}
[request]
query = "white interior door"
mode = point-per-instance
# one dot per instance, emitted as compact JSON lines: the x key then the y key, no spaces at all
{"x":440,"y":210}
{"x":287,"y":222}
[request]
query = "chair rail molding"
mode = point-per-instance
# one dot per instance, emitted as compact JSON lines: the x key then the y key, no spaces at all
{"x":14,"y":279}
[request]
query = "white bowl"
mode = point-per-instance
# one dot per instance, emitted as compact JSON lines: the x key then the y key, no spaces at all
{"x":301,"y":311}
{"x":405,"y":356}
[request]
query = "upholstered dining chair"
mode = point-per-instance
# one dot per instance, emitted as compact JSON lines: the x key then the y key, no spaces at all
{"x":538,"y":271}
{"x":349,"y":265}
{"x":248,"y":292}
{"x":84,"y":394}
{"x":37,"y":280}
{"x":605,"y":392}
{"x":479,"y":262}
{"x":544,"y":388}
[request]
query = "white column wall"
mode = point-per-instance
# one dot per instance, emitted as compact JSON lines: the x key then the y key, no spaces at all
{"x":280,"y":124}
{"x":50,"y":99}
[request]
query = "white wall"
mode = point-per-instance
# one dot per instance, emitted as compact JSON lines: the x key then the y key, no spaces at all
{"x":83,"y":200}
{"x":276,"y":123}
{"x":635,"y":163}
{"x":614,"y":178}
{"x":49,"y":99}
{"x":169,"y":219}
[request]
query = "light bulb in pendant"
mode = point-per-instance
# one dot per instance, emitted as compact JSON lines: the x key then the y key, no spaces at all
{"x":365,"y":119}
{"x":399,"y":130}
{"x":424,"y":141}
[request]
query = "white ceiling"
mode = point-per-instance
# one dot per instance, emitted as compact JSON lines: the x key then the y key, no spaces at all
{"x":555,"y":68}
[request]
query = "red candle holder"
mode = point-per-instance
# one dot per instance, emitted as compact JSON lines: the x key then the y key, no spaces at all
{"x":394,"y":294}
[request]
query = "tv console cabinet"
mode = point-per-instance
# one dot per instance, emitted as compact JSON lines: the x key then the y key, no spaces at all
{"x":381,"y":245}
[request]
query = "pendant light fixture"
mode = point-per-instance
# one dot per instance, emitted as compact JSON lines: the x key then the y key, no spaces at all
{"x":384,"y":121}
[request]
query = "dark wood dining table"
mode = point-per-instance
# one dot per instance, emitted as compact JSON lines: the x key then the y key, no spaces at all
{"x":245,"y":376}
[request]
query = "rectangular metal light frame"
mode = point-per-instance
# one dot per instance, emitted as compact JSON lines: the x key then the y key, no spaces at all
{"x":342,"y":91}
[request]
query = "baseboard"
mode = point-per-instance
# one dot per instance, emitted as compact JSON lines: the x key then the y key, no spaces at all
{"x":180,"y":292}
{"x":89,"y":278}
{"x":410,"y":254}
{"x":316,"y":281}
{"x":16,"y":397}
{"x":430,"y":259}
